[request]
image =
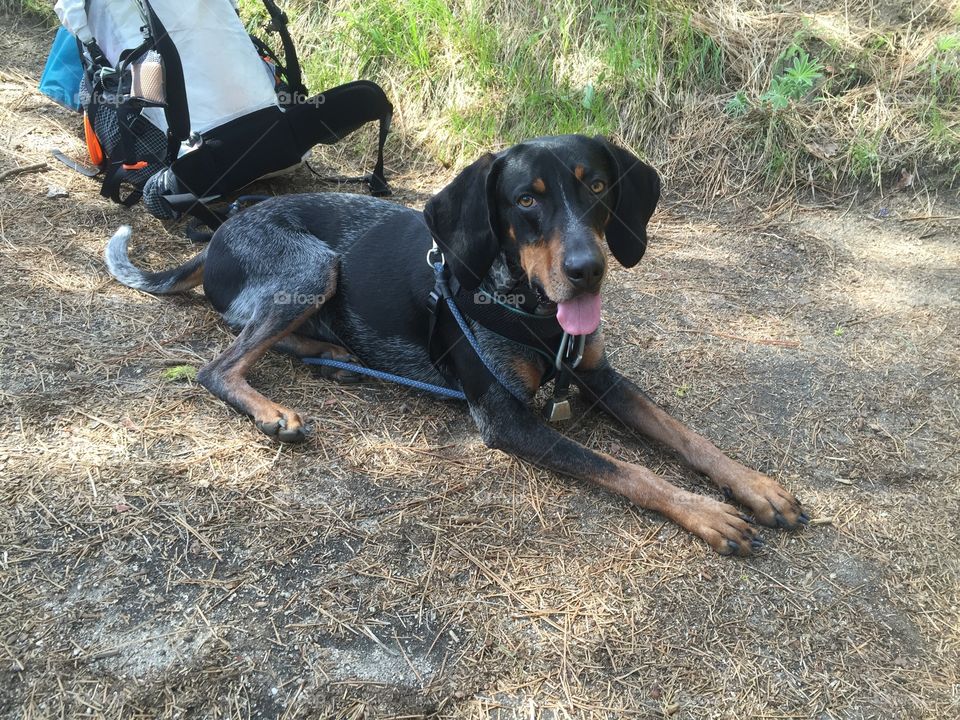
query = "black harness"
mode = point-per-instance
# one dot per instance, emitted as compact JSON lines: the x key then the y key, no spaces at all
{"x":511,"y":316}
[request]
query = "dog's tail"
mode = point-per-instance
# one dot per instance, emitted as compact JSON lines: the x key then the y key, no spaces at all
{"x":175,"y":280}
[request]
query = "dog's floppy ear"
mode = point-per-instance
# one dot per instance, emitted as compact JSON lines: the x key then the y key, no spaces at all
{"x":463,"y":220}
{"x":635,"y":191}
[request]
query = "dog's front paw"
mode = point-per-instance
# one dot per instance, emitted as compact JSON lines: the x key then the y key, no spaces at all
{"x":771,"y":504}
{"x":722,"y":527}
{"x":282,"y":424}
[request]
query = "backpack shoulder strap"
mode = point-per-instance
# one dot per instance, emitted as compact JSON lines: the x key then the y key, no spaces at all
{"x":339,"y":111}
{"x":176,"y":111}
{"x":294,"y":75}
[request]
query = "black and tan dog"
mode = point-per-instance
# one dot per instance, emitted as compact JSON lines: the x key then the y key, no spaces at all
{"x":345,"y":276}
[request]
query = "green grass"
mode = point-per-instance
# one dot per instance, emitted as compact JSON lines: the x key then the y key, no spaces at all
{"x":699,"y":88}
{"x":477,"y":74}
{"x":943,"y":66}
{"x":865,"y":160}
{"x":179,"y":373}
{"x":37,"y":8}
{"x":488,"y":73}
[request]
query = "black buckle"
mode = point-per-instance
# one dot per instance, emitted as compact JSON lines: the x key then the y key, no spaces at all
{"x":558,"y":408}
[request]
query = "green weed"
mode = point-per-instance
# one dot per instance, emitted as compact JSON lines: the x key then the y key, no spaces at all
{"x":38,"y":8}
{"x":738,"y":105}
{"x":179,"y":373}
{"x":795,"y":82}
{"x":865,"y":159}
{"x":943,"y":66}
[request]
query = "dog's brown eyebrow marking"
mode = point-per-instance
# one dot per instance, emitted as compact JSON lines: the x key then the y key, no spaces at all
{"x":579,"y":171}
{"x":539,"y":185}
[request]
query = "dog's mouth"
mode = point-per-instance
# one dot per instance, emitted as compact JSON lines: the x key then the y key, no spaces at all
{"x":545,"y":306}
{"x":579,"y":315}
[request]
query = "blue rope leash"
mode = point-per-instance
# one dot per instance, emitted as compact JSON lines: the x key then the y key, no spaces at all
{"x":389,"y":377}
{"x":417,"y":384}
{"x":468,"y":333}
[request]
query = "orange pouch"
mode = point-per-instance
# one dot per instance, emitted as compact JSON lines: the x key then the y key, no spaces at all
{"x":93,"y":144}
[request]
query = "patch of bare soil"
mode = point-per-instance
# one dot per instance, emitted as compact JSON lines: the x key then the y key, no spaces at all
{"x":160,"y":558}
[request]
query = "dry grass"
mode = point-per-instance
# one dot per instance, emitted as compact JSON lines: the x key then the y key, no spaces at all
{"x":684,"y":83}
{"x":159,"y":559}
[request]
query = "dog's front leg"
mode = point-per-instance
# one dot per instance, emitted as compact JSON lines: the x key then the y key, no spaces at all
{"x":770,"y":503}
{"x":508,"y":425}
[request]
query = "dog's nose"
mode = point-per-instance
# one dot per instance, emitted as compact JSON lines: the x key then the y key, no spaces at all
{"x":585,"y":269}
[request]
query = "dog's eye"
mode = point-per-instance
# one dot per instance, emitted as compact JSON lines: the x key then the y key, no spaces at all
{"x":526,"y":200}
{"x":598,"y":186}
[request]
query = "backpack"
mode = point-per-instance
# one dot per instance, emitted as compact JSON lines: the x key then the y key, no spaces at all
{"x":181,"y":106}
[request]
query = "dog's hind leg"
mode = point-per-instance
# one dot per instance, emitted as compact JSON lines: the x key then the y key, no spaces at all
{"x":271,"y":323}
{"x":225,"y":376}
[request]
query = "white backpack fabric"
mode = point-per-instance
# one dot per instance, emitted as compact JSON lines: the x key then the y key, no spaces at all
{"x":184,"y":107}
{"x":223,"y":74}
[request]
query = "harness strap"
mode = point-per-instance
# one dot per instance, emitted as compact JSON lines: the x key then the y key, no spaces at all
{"x":294,"y":77}
{"x":443,"y":289}
{"x":540,"y":332}
{"x":377,"y":180}
{"x":557,"y":409}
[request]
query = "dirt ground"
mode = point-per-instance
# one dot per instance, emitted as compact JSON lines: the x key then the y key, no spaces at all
{"x":160,"y":558}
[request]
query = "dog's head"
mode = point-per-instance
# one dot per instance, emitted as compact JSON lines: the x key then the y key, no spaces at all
{"x":549,"y":205}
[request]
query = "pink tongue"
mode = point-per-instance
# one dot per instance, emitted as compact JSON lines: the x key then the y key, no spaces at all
{"x":580,"y":316}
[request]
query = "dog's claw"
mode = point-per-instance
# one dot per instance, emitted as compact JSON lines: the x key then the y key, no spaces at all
{"x":734,"y":546}
{"x":757,"y":544}
{"x":283,"y":429}
{"x":292,"y":435}
{"x":804,"y":519}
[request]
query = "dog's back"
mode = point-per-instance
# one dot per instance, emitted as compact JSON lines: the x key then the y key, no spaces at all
{"x":279,"y":246}
{"x":285,"y":249}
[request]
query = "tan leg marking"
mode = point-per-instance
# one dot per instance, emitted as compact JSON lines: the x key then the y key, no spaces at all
{"x":769,"y":502}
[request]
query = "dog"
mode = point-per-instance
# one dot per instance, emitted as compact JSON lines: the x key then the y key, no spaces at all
{"x":345,"y":277}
